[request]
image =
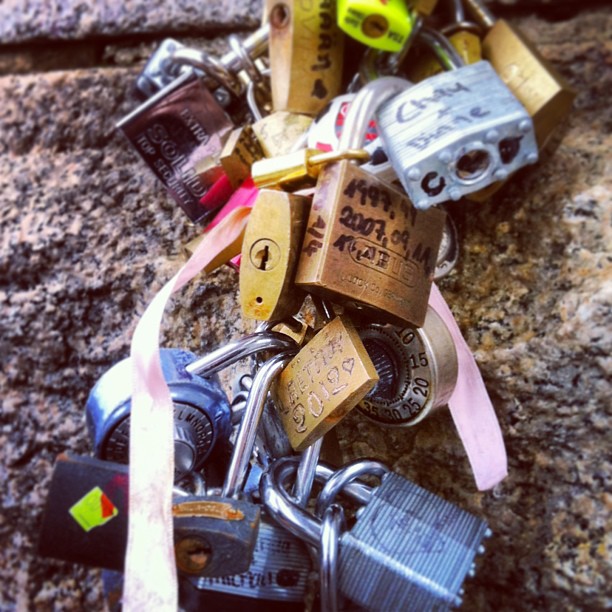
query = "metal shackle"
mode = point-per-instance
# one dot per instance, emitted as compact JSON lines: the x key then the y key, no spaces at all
{"x":442,"y":48}
{"x":232,"y":352}
{"x":224,"y":71}
{"x":245,"y":440}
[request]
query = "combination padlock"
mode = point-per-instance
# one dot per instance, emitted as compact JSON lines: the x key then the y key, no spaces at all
{"x":202,"y":416}
{"x":456,"y":132}
{"x":417,"y":368}
{"x":409,"y":549}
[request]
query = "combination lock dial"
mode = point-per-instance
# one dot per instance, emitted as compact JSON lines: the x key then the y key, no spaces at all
{"x":417,"y":367}
{"x":202,"y":413}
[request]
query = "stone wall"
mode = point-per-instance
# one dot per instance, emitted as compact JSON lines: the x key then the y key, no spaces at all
{"x":88,"y":236}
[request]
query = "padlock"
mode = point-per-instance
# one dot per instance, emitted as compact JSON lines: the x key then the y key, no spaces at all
{"x":86,"y":519}
{"x":408,"y":550}
{"x":323,"y":382}
{"x":179,"y":133}
{"x":455,"y":132}
{"x":202,"y":416}
{"x":367,"y":247}
{"x":269,"y":256}
{"x":380,"y":25}
{"x":545,"y":94}
{"x":276,"y":580}
{"x":306,"y":54}
{"x":214,"y":536}
{"x":241,"y":149}
{"x":462,"y":34}
{"x":278,"y":132}
{"x":417,"y":368}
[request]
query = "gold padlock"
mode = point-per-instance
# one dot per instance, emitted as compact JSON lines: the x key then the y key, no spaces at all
{"x":545,"y":94}
{"x":323,"y":382}
{"x":269,"y":255}
{"x":306,"y":53}
{"x":368,"y":247}
{"x":241,"y":149}
{"x":278,"y":132}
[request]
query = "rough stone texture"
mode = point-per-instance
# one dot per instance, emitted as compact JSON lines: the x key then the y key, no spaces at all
{"x":88,"y":236}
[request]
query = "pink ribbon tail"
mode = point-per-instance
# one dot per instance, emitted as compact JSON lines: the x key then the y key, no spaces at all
{"x":150,"y":570}
{"x":471,"y":408}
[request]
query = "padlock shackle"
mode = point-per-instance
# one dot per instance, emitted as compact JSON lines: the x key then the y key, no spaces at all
{"x":228,"y":354}
{"x":343,"y":477}
{"x":361,"y":111}
{"x":444,"y":51}
{"x":333,"y":524}
{"x":245,"y":440}
{"x":307,"y":470}
{"x":480,"y":13}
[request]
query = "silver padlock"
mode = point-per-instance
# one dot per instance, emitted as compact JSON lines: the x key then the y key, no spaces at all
{"x":456,"y":132}
{"x":156,"y":73}
{"x":409,"y":549}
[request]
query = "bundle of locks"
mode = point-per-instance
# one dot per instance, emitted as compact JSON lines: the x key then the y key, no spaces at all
{"x":346,"y":233}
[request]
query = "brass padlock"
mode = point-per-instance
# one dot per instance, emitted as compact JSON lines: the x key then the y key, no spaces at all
{"x":241,"y":149}
{"x":306,"y":53}
{"x":269,"y":255}
{"x":368,"y":247}
{"x":278,"y":132}
{"x":544,"y":93}
{"x":323,"y":382}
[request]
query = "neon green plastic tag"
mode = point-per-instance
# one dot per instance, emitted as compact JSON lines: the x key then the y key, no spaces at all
{"x":94,"y":509}
{"x":382,"y":24}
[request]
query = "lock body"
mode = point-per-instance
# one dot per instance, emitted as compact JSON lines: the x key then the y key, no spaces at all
{"x":269,"y":256}
{"x":277,"y":576}
{"x":240,"y":151}
{"x":306,"y":54}
{"x":545,"y":94}
{"x":202,"y":416}
{"x":367,"y":247}
{"x":278,"y":132}
{"x":179,"y":133}
{"x":409,"y":550}
{"x":456,"y":133}
{"x":214,"y":536}
{"x":323,"y":382}
{"x":417,"y":368}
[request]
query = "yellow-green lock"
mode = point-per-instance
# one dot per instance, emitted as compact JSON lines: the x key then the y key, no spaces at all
{"x":381,"y":24}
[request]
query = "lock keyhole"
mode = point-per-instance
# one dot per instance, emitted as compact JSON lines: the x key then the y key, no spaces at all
{"x":265,"y":254}
{"x":192,"y":554}
{"x":472,"y":165}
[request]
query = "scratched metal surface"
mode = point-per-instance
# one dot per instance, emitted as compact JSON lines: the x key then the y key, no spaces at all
{"x":88,"y":236}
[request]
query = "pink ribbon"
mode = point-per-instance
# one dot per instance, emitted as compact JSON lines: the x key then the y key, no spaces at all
{"x":471,"y":408}
{"x":150,"y":568}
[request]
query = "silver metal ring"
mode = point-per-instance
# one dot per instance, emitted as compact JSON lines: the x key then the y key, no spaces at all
{"x":228,"y":354}
{"x":246,"y":61}
{"x":461,"y":26}
{"x":211,"y":66}
{"x":345,"y":475}
{"x":332,"y":525}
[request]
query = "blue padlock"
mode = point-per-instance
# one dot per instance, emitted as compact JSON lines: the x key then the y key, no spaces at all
{"x":202,"y":414}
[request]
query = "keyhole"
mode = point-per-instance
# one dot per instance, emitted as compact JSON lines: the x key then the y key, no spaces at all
{"x":265,"y":254}
{"x":374,"y":26}
{"x":192,"y":554}
{"x":262,"y":256}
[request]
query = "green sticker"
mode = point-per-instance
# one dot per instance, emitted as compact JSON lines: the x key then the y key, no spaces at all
{"x":94,"y":509}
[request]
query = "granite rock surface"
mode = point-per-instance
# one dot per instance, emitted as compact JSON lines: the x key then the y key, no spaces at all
{"x":88,"y":236}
